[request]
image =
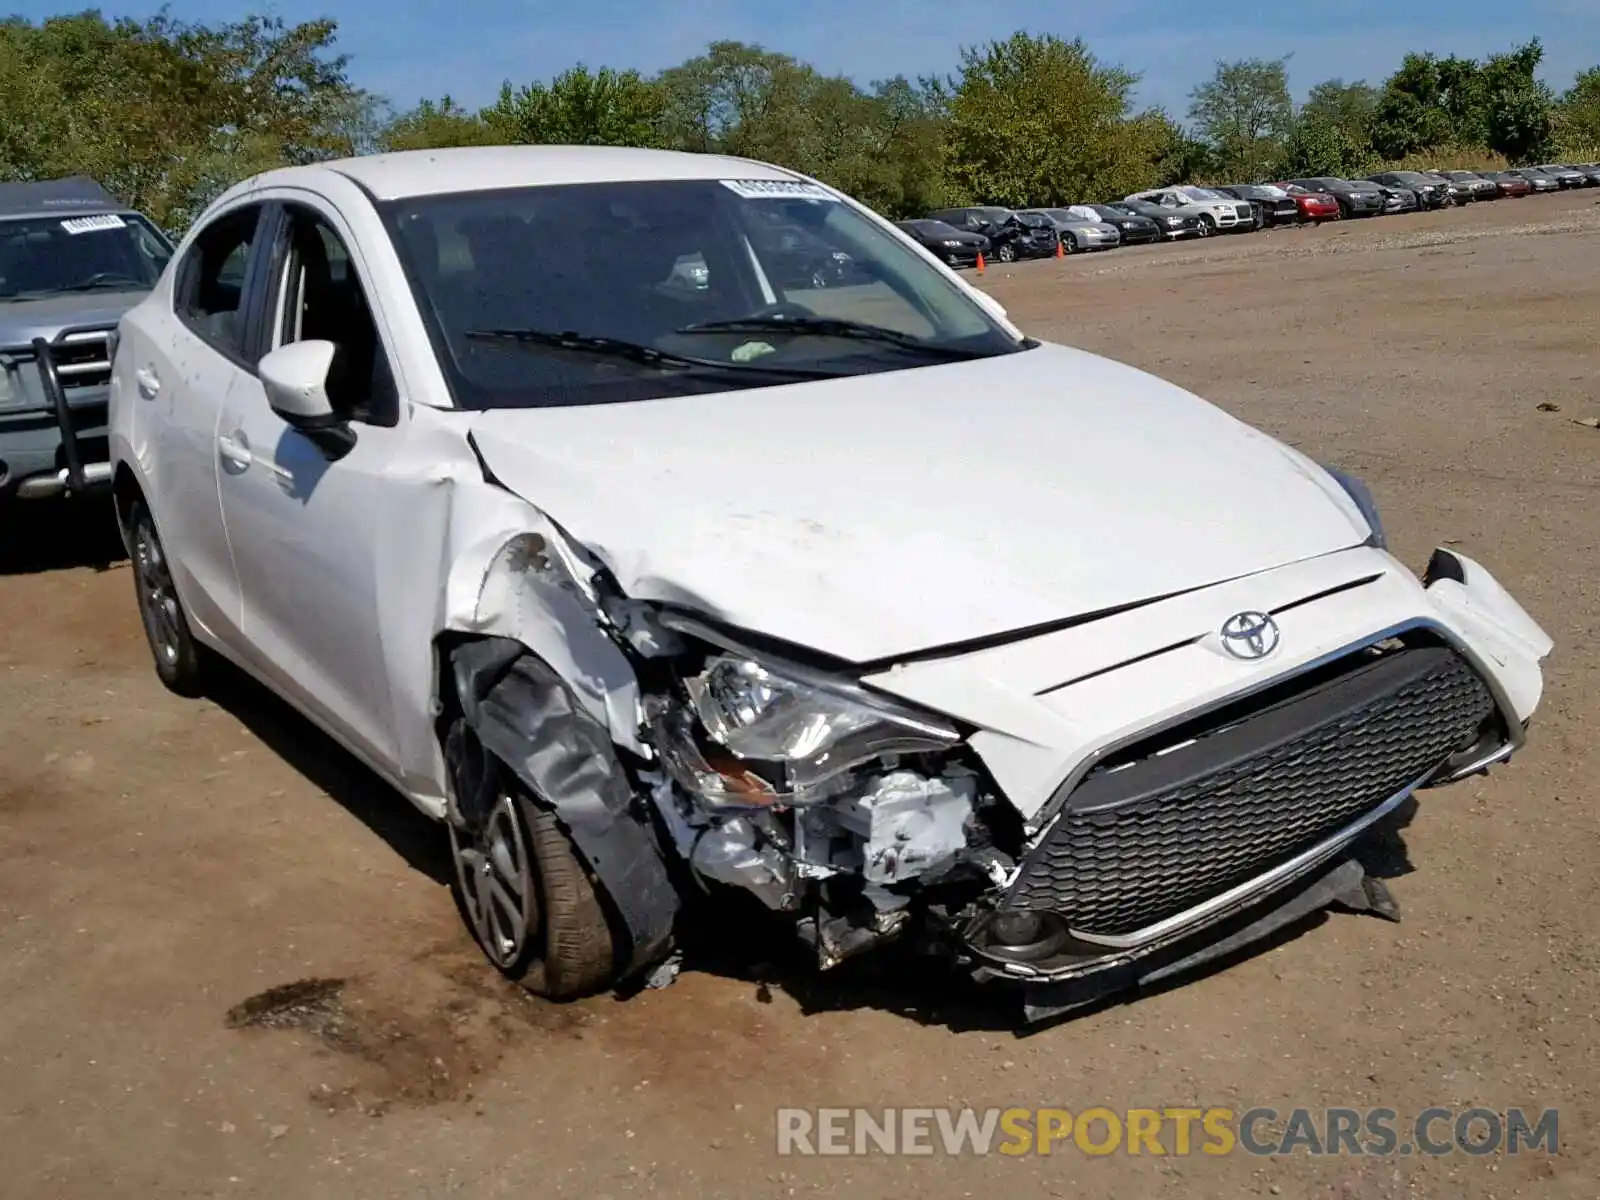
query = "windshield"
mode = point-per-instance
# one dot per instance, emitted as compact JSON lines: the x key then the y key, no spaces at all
{"x":601,"y":292}
{"x":1035,"y":220}
{"x":1197,"y":194}
{"x":49,"y":256}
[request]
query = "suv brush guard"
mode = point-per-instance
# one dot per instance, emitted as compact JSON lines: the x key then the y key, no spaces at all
{"x":77,"y":478}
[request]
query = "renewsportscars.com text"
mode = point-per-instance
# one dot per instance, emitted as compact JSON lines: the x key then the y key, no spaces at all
{"x":1165,"y":1131}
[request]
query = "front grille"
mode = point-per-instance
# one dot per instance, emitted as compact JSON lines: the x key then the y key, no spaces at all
{"x":1243,"y":210}
{"x":1162,"y":833}
{"x":83,"y":360}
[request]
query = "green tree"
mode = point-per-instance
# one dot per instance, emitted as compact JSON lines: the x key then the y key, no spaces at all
{"x":580,"y":107}
{"x":167,"y":113}
{"x":1340,"y":105}
{"x":1578,"y":117}
{"x":1518,"y":109}
{"x":433,"y":125}
{"x":1243,"y":113}
{"x":1039,"y":120}
{"x":1410,"y":115}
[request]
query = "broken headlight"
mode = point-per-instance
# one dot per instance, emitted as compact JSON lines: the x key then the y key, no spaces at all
{"x":792,"y":732}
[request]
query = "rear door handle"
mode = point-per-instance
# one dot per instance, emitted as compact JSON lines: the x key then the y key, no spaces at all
{"x":149,"y":383}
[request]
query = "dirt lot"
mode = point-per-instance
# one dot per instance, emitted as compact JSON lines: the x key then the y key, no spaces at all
{"x":164,"y":865}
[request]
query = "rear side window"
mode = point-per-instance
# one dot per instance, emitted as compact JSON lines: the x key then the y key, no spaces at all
{"x":210,"y":285}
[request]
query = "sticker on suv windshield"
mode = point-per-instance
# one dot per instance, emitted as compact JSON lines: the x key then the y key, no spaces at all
{"x":777,"y":189}
{"x":90,"y":224}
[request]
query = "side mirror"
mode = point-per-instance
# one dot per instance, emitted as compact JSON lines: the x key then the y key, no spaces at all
{"x":295,"y":378}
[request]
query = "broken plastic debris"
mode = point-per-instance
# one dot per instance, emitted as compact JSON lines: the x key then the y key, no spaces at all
{"x":666,"y":972}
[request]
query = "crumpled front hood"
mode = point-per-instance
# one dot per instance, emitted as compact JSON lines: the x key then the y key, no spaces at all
{"x":877,"y":515}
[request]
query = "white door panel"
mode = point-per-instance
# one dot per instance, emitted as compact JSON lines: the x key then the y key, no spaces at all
{"x":304,"y":532}
{"x":192,"y":382}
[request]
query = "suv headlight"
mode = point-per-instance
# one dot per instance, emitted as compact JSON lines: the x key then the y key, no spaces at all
{"x":12,"y":391}
{"x":1362,"y":495}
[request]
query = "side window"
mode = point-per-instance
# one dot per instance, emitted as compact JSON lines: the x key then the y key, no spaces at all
{"x":321,"y":298}
{"x":210,"y":288}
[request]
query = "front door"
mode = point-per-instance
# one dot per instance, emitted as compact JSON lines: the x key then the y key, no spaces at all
{"x":304,"y":529}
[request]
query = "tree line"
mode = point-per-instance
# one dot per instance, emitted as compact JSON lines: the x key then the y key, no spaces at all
{"x":167,"y":113}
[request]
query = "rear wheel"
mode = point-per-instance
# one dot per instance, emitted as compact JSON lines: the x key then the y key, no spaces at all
{"x":524,"y":892}
{"x":178,"y":657}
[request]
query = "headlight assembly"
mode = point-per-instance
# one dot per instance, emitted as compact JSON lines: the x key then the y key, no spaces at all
{"x":754,"y":734}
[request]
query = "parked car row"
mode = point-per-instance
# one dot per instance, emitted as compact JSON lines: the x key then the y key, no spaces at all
{"x":961,"y":236}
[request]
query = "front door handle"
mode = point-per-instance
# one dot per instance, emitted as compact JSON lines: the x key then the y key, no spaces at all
{"x":235,"y":451}
{"x":149,"y":383}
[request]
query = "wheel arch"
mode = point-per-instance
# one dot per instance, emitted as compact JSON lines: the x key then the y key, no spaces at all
{"x":523,"y":713}
{"x":126,"y":490}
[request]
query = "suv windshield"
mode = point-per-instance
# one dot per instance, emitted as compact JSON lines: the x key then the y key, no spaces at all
{"x":52,"y":256}
{"x":601,"y":292}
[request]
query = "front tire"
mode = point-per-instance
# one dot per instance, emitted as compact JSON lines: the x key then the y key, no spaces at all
{"x":179,"y":659}
{"x":1005,"y":253}
{"x":1069,"y":244}
{"x":527,"y":897}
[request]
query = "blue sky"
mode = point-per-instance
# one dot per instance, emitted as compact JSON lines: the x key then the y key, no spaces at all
{"x":407,"y":49}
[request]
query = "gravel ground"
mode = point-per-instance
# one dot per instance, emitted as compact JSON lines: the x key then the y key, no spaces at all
{"x":229,"y":965}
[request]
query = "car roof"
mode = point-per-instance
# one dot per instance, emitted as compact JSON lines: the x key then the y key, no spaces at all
{"x":73,"y":195}
{"x":408,"y":173}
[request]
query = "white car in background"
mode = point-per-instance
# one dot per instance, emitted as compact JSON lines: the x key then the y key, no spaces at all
{"x":1217,"y":213}
{"x":851,"y":598}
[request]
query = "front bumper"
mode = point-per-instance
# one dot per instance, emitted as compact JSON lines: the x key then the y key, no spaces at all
{"x":1127,"y":900}
{"x":58,"y":444}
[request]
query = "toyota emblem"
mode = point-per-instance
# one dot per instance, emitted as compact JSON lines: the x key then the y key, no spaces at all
{"x":1250,"y":635}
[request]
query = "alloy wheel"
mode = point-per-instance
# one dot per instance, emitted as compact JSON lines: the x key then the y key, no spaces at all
{"x":498,"y":889}
{"x":158,"y":596}
{"x":1006,"y":253}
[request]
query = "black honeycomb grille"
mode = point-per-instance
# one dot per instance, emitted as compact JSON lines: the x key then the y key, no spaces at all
{"x":1114,"y":868}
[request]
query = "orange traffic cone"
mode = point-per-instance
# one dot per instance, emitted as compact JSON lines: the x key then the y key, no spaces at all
{"x":980,"y":262}
{"x":1060,"y":253}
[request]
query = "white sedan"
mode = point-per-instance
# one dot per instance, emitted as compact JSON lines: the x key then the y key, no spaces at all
{"x":840,"y":592}
{"x":1217,"y":213}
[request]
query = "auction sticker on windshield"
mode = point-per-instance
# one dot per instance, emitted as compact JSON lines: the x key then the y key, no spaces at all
{"x":777,"y":189}
{"x":90,"y":224}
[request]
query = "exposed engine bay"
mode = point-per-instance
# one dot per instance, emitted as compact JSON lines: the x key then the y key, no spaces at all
{"x":858,"y":817}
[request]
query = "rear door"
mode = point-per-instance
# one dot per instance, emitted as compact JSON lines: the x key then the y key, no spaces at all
{"x":184,"y":357}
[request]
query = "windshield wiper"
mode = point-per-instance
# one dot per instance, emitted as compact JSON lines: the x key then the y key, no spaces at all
{"x":121,"y":284}
{"x":829,"y":327}
{"x":638,"y":352}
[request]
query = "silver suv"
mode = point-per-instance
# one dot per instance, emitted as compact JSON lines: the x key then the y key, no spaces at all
{"x":72,"y":261}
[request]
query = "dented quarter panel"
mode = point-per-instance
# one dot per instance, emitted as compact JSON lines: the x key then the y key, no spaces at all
{"x":459,"y":553}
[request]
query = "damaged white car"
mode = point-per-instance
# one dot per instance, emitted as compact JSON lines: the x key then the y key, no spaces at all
{"x":832,"y":588}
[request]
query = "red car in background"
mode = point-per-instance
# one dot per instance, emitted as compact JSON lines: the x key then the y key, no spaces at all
{"x":1315,"y":207}
{"x":1509,"y":184}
